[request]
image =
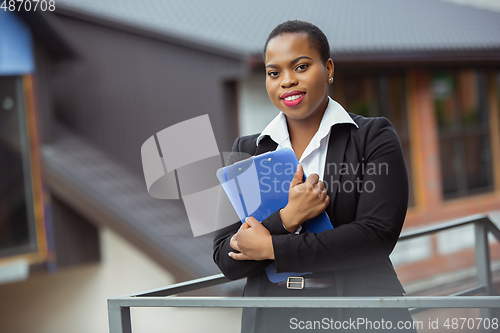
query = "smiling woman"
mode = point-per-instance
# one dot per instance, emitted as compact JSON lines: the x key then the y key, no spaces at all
{"x":297,"y":84}
{"x":352,"y":259}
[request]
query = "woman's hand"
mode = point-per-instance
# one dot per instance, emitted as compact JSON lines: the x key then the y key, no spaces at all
{"x":305,"y":200}
{"x":253,"y":241}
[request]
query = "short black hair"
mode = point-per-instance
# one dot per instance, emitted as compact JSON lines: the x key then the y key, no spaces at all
{"x":317,"y":38}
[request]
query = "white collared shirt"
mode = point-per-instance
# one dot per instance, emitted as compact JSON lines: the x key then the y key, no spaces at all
{"x":314,"y":157}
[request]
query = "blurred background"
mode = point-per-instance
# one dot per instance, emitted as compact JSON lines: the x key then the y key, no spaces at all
{"x":83,"y":86}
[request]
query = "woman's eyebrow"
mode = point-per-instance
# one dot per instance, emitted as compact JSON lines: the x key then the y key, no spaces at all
{"x":291,"y":62}
{"x":299,"y":58}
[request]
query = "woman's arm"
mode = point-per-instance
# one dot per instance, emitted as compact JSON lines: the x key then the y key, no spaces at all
{"x":249,"y":245}
{"x":379,"y":216}
{"x":231,"y":268}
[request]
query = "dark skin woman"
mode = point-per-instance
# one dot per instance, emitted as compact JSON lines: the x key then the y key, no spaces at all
{"x":352,"y":259}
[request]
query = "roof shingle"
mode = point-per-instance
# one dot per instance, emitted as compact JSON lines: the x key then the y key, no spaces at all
{"x":353,"y":27}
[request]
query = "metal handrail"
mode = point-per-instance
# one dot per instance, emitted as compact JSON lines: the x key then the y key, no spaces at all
{"x":119,"y":308}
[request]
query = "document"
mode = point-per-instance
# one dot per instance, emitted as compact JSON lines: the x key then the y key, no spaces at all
{"x":258,"y":186}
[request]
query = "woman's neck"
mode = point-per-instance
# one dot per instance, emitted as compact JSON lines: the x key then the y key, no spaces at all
{"x":302,"y":131}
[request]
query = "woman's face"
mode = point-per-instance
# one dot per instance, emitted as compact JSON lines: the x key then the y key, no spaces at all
{"x":296,"y":77}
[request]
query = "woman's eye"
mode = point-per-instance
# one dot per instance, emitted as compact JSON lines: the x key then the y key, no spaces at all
{"x":301,"y":67}
{"x":272,"y":74}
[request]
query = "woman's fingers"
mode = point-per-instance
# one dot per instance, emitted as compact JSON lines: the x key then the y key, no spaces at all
{"x":312,"y":180}
{"x":320,"y":187}
{"x":297,"y":177}
{"x":238,"y":256}
{"x":251,"y":221}
{"x":244,"y":226}
{"x":327,"y":199}
{"x":306,"y":200}
{"x":234,"y":243}
{"x":254,"y":242}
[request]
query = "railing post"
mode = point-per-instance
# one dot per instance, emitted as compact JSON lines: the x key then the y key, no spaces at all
{"x":483,"y":264}
{"x":119,"y":318}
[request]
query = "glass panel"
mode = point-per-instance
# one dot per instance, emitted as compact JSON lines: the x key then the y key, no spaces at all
{"x":17,"y":228}
{"x":450,"y":161}
{"x":443,"y":87}
{"x":461,"y":109}
{"x":498,"y":100}
{"x":360,"y":96}
{"x":477,"y":169}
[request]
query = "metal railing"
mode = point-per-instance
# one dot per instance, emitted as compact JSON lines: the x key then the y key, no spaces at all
{"x":119,"y":308}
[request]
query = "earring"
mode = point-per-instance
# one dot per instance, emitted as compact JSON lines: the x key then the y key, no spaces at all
{"x":330,"y":80}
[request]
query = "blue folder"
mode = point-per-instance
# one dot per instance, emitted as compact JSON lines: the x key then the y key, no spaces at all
{"x":259,"y":186}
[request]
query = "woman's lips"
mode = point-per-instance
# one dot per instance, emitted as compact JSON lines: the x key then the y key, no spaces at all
{"x":293,"y":98}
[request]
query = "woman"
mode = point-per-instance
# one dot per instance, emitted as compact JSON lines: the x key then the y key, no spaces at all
{"x":356,"y":173}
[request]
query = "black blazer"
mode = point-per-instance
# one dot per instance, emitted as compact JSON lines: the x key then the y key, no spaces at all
{"x":366,"y":179}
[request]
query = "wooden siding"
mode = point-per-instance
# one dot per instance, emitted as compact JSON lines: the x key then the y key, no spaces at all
{"x":128,"y":87}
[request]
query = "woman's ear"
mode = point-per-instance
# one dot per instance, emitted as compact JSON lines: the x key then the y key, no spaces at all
{"x":329,"y":69}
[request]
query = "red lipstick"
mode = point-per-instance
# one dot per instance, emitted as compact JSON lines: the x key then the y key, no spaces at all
{"x":293,"y":98}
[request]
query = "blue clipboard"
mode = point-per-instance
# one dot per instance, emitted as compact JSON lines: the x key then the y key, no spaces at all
{"x":258,"y":187}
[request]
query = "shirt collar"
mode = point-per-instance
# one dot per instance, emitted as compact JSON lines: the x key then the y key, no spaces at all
{"x":334,"y":114}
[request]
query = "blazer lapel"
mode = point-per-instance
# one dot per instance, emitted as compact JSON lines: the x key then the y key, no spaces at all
{"x":339,"y":135}
{"x":266,"y":144}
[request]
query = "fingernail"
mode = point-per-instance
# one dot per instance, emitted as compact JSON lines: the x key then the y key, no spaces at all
{"x":229,"y":254}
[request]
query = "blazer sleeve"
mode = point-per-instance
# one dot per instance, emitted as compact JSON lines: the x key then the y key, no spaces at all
{"x":231,"y":268}
{"x":380,"y":214}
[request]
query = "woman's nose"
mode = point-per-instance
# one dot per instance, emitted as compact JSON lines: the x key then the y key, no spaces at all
{"x":288,"y":80}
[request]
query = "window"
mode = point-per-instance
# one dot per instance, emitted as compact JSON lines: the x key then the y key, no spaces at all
{"x":460,"y":103}
{"x":498,"y":99}
{"x":373,"y":96}
{"x":17,"y":221}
